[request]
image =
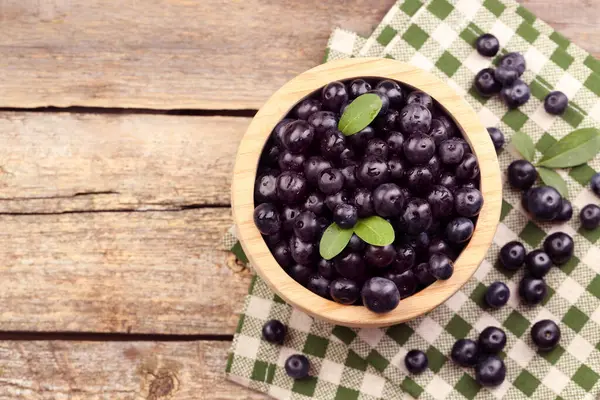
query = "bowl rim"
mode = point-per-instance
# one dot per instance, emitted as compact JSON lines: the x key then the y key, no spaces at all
{"x":278,"y":106}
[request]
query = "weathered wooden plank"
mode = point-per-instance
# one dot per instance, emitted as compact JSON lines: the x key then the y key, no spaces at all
{"x":205,"y":54}
{"x":61,"y":370}
{"x":138,"y":272}
{"x":57,"y":162}
{"x":575,"y":19}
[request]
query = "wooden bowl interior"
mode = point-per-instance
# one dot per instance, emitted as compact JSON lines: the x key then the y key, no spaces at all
{"x":278,"y":106}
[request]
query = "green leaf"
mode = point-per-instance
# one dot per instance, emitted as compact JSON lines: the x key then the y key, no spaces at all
{"x":375,"y":230}
{"x":333,"y":241}
{"x":359,"y":114}
{"x":574,"y":149}
{"x":239,"y":252}
{"x":524,"y":145}
{"x":552,"y":178}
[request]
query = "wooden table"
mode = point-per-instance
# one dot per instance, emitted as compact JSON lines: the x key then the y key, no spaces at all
{"x":119,"y":125}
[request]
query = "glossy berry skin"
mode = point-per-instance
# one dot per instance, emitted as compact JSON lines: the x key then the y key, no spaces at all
{"x":419,"y":179}
{"x":289,"y":161}
{"x":306,"y":108}
{"x":464,"y":352}
{"x":388,"y":200}
{"x":388,"y":121}
{"x":322,"y":121}
{"x":439,"y":246}
{"x":270,"y":156}
{"x":265,"y":188}
{"x":332,"y":144}
{"x":326,"y":269}
{"x":392,"y":91}
{"x":559,"y":246}
{"x":415,"y":118}
{"x":300,"y":273}
{"x":395,"y":142}
{"x":277,"y":133}
{"x":423,"y":275}
{"x":358,"y":87}
{"x":363,"y":201}
{"x":497,"y":137}
{"x":514,"y":61}
{"x":441,"y":201}
{"x":448,"y":180}
{"x":556,"y":103}
{"x":291,"y":187}
{"x":419,"y":148}
{"x":435,"y":166}
{"x":490,"y":371}
{"x":372,"y":172}
{"x":595,"y":184}
{"x":318,"y":285}
{"x":487,"y":45}
{"x":545,"y":334}
{"x":416,"y":361}
{"x":385,"y":102}
{"x":282,"y":254}
{"x":421,"y":98}
{"x":377,"y":148}
{"x":315,"y":202}
{"x":273,"y":331}
{"x":459,"y":230}
{"x":288,"y":216}
{"x":347,"y":157}
{"x":359,"y":140}
{"x":406,"y":282}
{"x":506,"y":76}
{"x":468,"y":202}
{"x":441,"y":266}
{"x":405,"y":259}
{"x":544,"y":203}
{"x":298,"y":136}
{"x":379,"y":256}
{"x":380,"y":295}
{"x":451,"y":152}
{"x":486,"y":84}
{"x":532,"y":290}
{"x":512,"y":255}
{"x":345,"y":215}
{"x":590,"y":217}
{"x":266,"y":219}
{"x":521,"y":174}
{"x":306,"y":227}
{"x":515,"y":95}
{"x":330,"y":181}
{"x":566,"y":211}
{"x":350,"y":181}
{"x":417,"y":216}
{"x":438,"y":132}
{"x":303,"y":252}
{"x":351,"y":266}
{"x":334,"y":96}
{"x":297,"y":366}
{"x":313,"y":168}
{"x":448,"y":123}
{"x":491,"y":340}
{"x":538,"y":263}
{"x":468,"y":169}
{"x":497,"y":295}
{"x":344,"y":291}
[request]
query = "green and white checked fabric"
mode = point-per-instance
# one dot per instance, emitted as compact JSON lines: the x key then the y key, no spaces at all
{"x":352,"y":364}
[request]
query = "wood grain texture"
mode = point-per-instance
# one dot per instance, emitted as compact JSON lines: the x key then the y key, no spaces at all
{"x":278,"y":106}
{"x":578,"y":20}
{"x":59,"y":162}
{"x":131,"y":272}
{"x":60,"y":370}
{"x":209,"y":54}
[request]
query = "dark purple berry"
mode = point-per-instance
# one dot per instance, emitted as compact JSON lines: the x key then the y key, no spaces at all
{"x":497,"y":295}
{"x":297,"y":366}
{"x":515,"y":95}
{"x":459,"y":230}
{"x":468,"y":202}
{"x":532,"y":290}
{"x":497,"y":137}
{"x":415,"y":119}
{"x":421,"y":98}
{"x":326,"y":269}
{"x":388,"y":121}
{"x":441,"y":266}
{"x":306,"y":226}
{"x":282,"y":254}
{"x":322,"y":121}
{"x":359,"y":140}
{"x":380,"y":295}
{"x":377,"y":148}
{"x":423,"y":275}
{"x":492,"y":340}
{"x":388,"y":200}
{"x":313,"y":167}
{"x":372,"y":172}
{"x":266,"y":219}
{"x":559,"y":246}
{"x":392,"y":91}
{"x":406,"y":282}
{"x":439,"y":246}
{"x":451,"y":152}
{"x":349,"y":173}
{"x":487,"y":45}
{"x":351,"y":266}
{"x":416,"y":361}
{"x":405,"y":259}
{"x":544,"y":203}
{"x":298,"y":136}
{"x":464,"y":352}
{"x":449,"y":181}
{"x":332,"y":143}
{"x":590,"y":217}
{"x":486,"y":84}
{"x":330,"y":181}
{"x":513,"y":61}
{"x":355,"y":244}
{"x":566,"y":211}
{"x":334,"y":96}
{"x":380,"y":256}
{"x":545,"y":334}
{"x":438,"y":132}
{"x":397,"y":168}
{"x":306,"y":108}
{"x":556,"y":103}
{"x":441,"y":201}
{"x":506,"y":76}
{"x":363,"y":201}
{"x":512,"y":255}
{"x":265,"y":188}
{"x":521,"y":174}
{"x":315,"y":202}
{"x":419,"y":148}
{"x":319,"y":285}
{"x":289,"y":161}
{"x":395,"y":142}
{"x":417,"y":216}
{"x":595,"y":184}
{"x":468,"y":169}
{"x":288,"y":216}
{"x":300,"y":273}
{"x":304,"y":253}
{"x":419,"y":179}
{"x":344,"y":291}
{"x":291,"y":187}
{"x":490,"y":371}
{"x":345,"y":216}
{"x":273,"y":331}
{"x":358,"y":87}
{"x":385,"y":102}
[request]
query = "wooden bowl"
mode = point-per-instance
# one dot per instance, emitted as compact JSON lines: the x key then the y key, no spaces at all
{"x":276,"y":109}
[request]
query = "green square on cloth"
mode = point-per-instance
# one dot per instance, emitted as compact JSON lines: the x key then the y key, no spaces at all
{"x":368,"y":363}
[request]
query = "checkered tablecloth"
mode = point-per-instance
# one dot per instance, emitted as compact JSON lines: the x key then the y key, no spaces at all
{"x":349,"y":364}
